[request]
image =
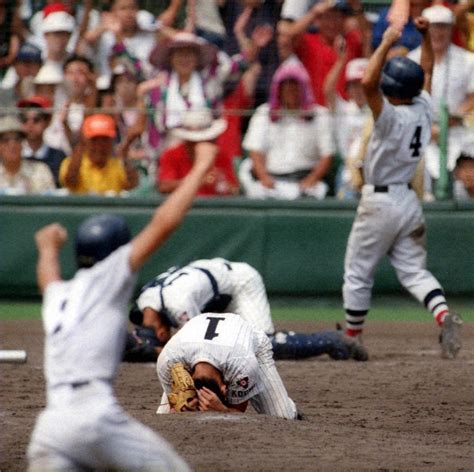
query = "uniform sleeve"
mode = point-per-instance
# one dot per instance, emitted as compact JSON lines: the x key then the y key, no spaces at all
{"x":256,"y":138}
{"x":386,"y":119}
{"x":246,"y":383}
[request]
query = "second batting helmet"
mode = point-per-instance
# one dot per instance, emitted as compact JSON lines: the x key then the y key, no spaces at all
{"x":402,"y":78}
{"x":99,"y":236}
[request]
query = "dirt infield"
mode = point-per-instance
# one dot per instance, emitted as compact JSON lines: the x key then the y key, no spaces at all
{"x":404,"y":409}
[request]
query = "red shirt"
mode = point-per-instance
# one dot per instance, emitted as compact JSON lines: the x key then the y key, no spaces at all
{"x":318,"y":57}
{"x":175,"y":164}
{"x":234,"y":104}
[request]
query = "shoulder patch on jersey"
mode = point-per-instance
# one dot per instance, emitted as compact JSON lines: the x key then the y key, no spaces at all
{"x":243,"y":382}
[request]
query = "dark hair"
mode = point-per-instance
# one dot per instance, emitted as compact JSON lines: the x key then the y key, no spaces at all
{"x":212,"y":385}
{"x":79,"y":58}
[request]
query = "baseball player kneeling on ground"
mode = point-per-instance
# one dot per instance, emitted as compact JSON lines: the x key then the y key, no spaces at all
{"x":231,"y":365}
{"x":218,"y":285}
{"x":83,"y":427}
{"x":389,"y":217}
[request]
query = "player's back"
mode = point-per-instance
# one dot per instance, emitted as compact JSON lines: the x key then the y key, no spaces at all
{"x":399,"y":139}
{"x":84,"y":321}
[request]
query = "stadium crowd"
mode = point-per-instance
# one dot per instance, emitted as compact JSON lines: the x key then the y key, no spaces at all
{"x":112,"y":97}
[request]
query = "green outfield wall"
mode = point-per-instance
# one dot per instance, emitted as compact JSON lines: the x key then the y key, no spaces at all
{"x":297,"y":246}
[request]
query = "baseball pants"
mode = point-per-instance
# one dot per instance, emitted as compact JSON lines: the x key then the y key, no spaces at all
{"x":392,"y":224}
{"x":95,"y":433}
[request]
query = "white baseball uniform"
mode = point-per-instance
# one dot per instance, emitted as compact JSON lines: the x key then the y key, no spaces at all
{"x":389,"y":217}
{"x":184,"y":293}
{"x":83,"y":427}
{"x":242,"y":353}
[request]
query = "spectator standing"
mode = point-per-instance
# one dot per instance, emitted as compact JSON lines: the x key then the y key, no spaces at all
{"x":92,"y":168}
{"x":464,"y":176}
{"x":85,"y":18}
{"x":289,"y":141}
{"x":316,"y":50}
{"x":19,"y":176}
{"x":36,"y":117}
{"x":177,"y":161}
{"x":121,"y":29}
{"x":453,"y":84}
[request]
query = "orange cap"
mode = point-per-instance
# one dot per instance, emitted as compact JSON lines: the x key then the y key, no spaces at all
{"x":99,"y":125}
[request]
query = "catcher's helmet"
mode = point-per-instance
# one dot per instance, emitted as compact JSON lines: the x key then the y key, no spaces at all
{"x":99,"y":236}
{"x":402,"y":78}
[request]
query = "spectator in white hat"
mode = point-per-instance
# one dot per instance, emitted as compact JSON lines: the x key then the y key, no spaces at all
{"x":176,"y":161}
{"x":453,"y":84}
{"x":19,"y":176}
{"x":85,"y":18}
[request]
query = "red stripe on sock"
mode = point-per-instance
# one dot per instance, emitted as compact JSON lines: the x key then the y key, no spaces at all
{"x":440,"y":316}
{"x":353,"y":332}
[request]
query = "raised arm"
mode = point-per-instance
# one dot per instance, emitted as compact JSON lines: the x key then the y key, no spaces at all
{"x":171,"y":213}
{"x":49,"y":241}
{"x":427,"y":56}
{"x":371,"y":79}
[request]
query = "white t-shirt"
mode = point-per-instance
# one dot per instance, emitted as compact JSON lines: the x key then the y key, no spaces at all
{"x":401,"y":134}
{"x":453,"y":77}
{"x":295,"y":9}
{"x":186,"y":291}
{"x":290,"y":144}
{"x":223,"y":340}
{"x":85,"y":321}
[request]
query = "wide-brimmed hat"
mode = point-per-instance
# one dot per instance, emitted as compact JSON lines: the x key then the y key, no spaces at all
{"x":160,"y":55}
{"x":99,"y":125}
{"x":199,"y":125}
{"x":10,"y":124}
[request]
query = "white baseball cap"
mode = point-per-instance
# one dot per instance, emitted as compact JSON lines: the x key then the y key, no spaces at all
{"x":58,"y":21}
{"x":355,"y":69}
{"x":438,"y":14}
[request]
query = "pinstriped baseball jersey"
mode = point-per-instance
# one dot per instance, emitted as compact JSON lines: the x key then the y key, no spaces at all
{"x":400,"y":136}
{"x":209,"y":285}
{"x":223,"y":340}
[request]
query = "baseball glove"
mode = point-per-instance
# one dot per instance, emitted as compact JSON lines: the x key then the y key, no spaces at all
{"x":183,"y":390}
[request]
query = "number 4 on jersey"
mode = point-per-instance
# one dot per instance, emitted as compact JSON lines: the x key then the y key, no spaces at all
{"x":415,"y":143}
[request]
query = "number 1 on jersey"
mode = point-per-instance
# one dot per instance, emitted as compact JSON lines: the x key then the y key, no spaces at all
{"x":211,"y":328}
{"x":415,"y":143}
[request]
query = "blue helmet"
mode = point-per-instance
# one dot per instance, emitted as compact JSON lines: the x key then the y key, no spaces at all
{"x":402,"y":78}
{"x":99,"y":236}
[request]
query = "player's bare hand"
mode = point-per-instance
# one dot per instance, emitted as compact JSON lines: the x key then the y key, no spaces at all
{"x":53,"y":235}
{"x":422,"y":24}
{"x":209,"y":401}
{"x":391,"y":35}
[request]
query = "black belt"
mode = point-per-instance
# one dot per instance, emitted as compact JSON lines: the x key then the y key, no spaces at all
{"x":385,"y":188}
{"x":76,"y":385}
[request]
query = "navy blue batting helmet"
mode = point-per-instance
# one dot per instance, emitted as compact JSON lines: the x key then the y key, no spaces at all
{"x":402,"y":78}
{"x":99,"y":236}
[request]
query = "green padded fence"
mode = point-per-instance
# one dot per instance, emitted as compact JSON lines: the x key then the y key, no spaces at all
{"x":297,"y":246}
